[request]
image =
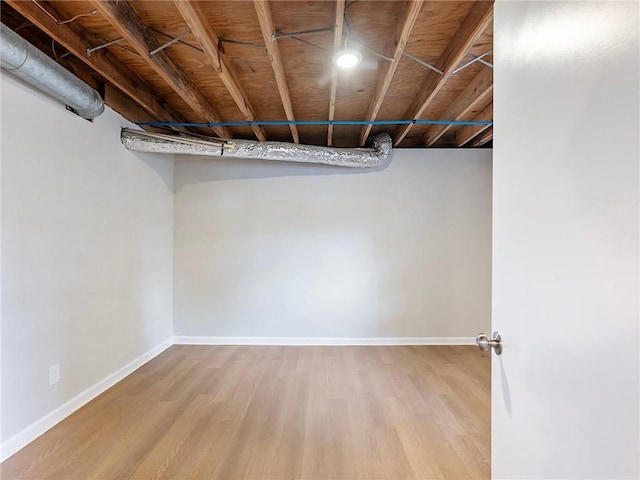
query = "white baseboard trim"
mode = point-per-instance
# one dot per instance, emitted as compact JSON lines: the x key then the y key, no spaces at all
{"x":33,"y":431}
{"x":301,"y":341}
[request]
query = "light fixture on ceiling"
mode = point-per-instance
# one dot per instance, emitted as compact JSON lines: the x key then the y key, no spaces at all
{"x":347,"y":58}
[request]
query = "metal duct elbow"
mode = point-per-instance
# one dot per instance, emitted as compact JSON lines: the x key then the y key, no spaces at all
{"x":27,"y":62}
{"x":378,"y":155}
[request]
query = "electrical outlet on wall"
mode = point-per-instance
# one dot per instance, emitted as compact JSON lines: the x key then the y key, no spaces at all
{"x":54,"y":374}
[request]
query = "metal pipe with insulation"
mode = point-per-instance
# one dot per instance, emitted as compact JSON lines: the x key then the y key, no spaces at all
{"x":378,"y":155}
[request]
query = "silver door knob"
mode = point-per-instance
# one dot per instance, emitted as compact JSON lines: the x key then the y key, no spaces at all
{"x":484,"y":343}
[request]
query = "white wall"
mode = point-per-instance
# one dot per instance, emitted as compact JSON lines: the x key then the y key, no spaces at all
{"x":566,"y":222}
{"x":86,"y":253}
{"x":268,"y":249}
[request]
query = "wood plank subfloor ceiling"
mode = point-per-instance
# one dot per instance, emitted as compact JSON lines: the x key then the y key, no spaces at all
{"x":279,"y":413}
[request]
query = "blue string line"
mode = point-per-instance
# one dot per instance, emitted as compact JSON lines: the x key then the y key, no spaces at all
{"x":284,"y":123}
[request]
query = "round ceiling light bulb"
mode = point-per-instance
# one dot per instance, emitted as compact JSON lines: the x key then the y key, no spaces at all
{"x":347,"y":58}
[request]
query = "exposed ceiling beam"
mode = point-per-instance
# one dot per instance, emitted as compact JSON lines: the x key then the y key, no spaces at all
{"x":484,"y":138}
{"x":263,"y":10}
{"x":472,"y":26}
{"x":126,"y":21}
{"x":337,"y":45}
{"x":471,"y":97}
{"x":210,"y":43}
{"x":403,"y":31}
{"x":104,"y":63}
{"x":465,"y":134}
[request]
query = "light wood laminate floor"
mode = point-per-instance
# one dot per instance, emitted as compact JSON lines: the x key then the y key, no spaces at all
{"x":279,"y":413}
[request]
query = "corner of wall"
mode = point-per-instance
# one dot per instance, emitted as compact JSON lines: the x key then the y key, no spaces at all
{"x":42,"y":425}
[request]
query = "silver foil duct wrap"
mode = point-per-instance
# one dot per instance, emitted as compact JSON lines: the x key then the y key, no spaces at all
{"x":377,"y":156}
{"x":140,"y":141}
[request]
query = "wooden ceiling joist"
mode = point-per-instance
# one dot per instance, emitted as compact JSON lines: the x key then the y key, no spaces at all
{"x":263,"y":10}
{"x":472,"y":26}
{"x":465,"y":134}
{"x":103,"y":63}
{"x":337,"y":45}
{"x":403,"y":31}
{"x":221,"y":37}
{"x":210,"y":43}
{"x":124,"y":19}
{"x":471,"y":97}
{"x":486,"y":137}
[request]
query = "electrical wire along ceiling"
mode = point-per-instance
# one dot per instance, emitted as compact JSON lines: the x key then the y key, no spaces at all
{"x":326,"y":73}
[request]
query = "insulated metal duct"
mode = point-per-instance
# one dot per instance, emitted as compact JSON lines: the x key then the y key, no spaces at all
{"x":27,"y":62}
{"x":380,"y":154}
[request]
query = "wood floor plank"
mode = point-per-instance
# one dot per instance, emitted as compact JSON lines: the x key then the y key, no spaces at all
{"x":273,"y":412}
